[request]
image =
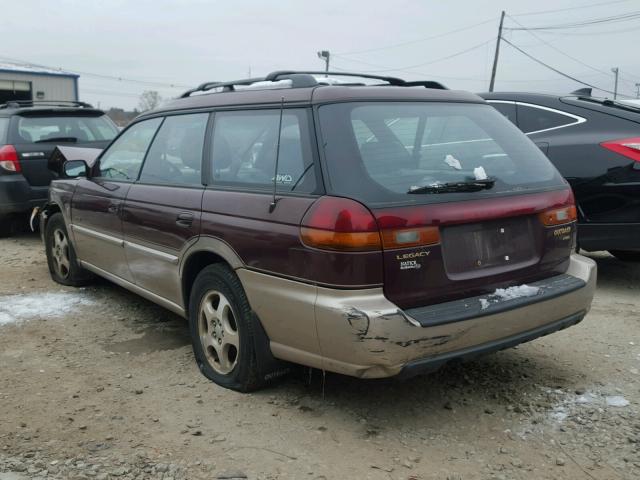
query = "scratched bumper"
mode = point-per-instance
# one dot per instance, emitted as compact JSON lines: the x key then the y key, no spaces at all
{"x":361,"y":333}
{"x":368,"y":336}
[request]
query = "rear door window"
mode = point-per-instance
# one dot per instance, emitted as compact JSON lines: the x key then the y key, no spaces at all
{"x":379,"y":152}
{"x":534,"y":119}
{"x":175,"y":157}
{"x":123,"y":158}
{"x":245,"y":145}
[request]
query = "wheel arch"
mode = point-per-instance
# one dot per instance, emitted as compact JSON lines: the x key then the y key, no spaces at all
{"x":205,"y":251}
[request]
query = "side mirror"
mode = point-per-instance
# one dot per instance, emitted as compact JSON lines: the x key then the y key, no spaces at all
{"x":75,"y":169}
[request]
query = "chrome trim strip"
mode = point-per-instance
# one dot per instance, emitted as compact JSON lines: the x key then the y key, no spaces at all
{"x":167,"y":257}
{"x":168,"y":304}
{"x":578,"y":119}
{"x":95,"y":234}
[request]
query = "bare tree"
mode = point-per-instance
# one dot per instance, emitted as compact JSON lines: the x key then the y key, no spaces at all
{"x":149,"y":99}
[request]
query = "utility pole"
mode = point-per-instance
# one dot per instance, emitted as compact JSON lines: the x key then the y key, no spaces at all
{"x":495,"y":58}
{"x":325,"y":54}
{"x":615,"y":87}
{"x":637,"y":91}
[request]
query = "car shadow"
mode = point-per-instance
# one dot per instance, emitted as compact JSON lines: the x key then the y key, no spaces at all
{"x":614,"y":273}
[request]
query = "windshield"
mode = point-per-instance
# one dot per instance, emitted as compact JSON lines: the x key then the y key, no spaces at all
{"x":70,"y":128}
{"x":382,"y":152}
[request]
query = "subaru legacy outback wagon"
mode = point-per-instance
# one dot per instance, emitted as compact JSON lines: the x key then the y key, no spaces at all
{"x":374,"y":229}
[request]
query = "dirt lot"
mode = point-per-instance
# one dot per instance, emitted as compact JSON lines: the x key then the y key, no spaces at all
{"x":98,"y":383}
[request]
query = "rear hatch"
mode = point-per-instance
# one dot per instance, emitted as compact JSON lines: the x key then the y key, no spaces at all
{"x":464,"y":201}
{"x":35,"y":134}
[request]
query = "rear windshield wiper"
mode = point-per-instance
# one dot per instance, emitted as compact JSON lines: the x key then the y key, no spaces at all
{"x":452,"y":187}
{"x":57,"y":139}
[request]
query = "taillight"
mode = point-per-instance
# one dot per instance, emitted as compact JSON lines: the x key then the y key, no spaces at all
{"x":629,"y":147}
{"x":9,"y":159}
{"x":559,"y":216}
{"x":334,"y":223}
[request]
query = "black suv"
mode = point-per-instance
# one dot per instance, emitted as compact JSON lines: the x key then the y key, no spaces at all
{"x":29,"y":132}
{"x":595,"y":144}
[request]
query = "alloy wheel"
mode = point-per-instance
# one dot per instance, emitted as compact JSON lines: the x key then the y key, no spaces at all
{"x":218,"y":332}
{"x":60,"y":253}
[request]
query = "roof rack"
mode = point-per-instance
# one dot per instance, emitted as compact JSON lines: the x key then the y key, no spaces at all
{"x":44,"y":103}
{"x":305,"y":78}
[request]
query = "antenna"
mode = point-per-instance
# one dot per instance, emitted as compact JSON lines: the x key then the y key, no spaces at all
{"x":272,"y":207}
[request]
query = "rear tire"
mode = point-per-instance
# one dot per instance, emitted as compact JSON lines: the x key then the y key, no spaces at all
{"x":222,"y":330}
{"x":61,"y":256}
{"x":626,"y":255}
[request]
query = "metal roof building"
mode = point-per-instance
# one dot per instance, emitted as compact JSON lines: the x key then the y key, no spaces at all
{"x":32,"y":82}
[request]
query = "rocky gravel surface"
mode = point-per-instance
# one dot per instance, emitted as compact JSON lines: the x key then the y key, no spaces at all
{"x":99,"y":384}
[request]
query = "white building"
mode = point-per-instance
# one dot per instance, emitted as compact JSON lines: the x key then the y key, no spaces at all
{"x":29,"y":82}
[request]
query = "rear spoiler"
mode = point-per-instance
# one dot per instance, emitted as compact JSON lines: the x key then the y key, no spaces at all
{"x":61,"y":155}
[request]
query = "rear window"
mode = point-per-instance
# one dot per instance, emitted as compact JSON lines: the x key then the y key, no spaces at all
{"x":378,"y":152}
{"x":80,"y":129}
{"x":4,"y":125}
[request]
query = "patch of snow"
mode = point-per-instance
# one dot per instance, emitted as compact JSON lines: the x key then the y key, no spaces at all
{"x":21,"y":307}
{"x":516,"y":292}
{"x":616,"y":401}
{"x":453,"y":162}
{"x":479,"y":173}
{"x":32,"y":68}
{"x":502,"y":294}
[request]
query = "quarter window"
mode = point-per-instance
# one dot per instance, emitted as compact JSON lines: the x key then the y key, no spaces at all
{"x":245,"y":145}
{"x":175,"y":156}
{"x":124,"y":156}
{"x":533,"y":119}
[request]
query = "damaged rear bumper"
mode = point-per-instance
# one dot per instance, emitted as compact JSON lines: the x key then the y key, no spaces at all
{"x":361,"y":333}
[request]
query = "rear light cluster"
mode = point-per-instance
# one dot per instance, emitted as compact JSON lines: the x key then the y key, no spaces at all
{"x":341,"y":224}
{"x":9,"y":159}
{"x":628,"y":147}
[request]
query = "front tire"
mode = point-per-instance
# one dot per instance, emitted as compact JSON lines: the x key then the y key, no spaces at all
{"x":61,"y":256}
{"x":222,"y":329}
{"x":626,"y":255}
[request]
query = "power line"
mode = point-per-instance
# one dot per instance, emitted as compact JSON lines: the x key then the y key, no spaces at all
{"x":419,"y":40}
{"x":557,"y":49}
{"x":577,"y":60}
{"x":98,"y":75}
{"x":566,"y":75}
{"x":578,"y":7}
{"x":401,"y":69}
{"x":594,"y":21}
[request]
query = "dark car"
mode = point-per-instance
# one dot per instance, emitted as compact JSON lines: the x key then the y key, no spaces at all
{"x":370,"y":230}
{"x":29,"y":132}
{"x":595,"y":144}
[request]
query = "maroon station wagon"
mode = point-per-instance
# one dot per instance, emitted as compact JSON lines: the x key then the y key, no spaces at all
{"x":372,"y":229}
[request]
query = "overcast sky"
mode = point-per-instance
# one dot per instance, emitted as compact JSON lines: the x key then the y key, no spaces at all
{"x":187,"y":42}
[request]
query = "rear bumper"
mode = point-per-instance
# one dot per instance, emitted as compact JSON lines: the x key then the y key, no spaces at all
{"x":18,"y":196}
{"x":609,"y":236}
{"x":361,"y":333}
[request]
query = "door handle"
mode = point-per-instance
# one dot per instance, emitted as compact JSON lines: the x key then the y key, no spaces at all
{"x":184,"y":219}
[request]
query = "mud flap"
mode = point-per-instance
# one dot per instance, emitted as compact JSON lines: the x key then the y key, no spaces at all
{"x":269,"y":367}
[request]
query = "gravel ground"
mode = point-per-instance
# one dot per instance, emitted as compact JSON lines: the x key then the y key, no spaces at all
{"x":98,"y":383}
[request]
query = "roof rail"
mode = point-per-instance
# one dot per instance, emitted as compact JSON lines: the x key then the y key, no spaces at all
{"x":44,"y":103}
{"x":305,"y":78}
